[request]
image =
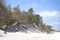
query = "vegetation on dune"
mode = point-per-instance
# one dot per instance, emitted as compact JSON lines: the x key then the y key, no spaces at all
{"x":9,"y":17}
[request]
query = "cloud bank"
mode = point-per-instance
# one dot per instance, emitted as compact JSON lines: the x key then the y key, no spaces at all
{"x":51,"y":18}
{"x":49,"y":13}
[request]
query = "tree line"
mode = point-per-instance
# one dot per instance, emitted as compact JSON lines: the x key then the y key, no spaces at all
{"x":9,"y":17}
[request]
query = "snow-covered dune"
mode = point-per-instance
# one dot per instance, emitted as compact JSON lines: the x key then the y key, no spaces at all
{"x":30,"y":36}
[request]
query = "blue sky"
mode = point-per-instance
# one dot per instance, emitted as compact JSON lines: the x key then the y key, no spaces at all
{"x":48,"y":9}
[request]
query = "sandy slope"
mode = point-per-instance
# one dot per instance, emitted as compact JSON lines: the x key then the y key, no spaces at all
{"x":30,"y":36}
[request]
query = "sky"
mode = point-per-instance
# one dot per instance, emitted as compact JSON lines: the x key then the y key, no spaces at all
{"x":48,"y":9}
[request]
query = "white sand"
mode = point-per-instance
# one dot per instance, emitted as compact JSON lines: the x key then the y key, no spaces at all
{"x":30,"y":36}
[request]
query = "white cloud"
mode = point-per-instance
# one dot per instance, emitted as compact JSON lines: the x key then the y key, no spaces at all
{"x":49,"y":13}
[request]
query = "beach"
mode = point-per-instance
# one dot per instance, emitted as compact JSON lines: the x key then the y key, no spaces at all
{"x":29,"y":36}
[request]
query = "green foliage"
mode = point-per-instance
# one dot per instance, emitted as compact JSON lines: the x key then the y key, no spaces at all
{"x":17,"y":9}
{"x":31,"y":11}
{"x":46,"y":28}
{"x":36,"y":19}
{"x":1,"y":23}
